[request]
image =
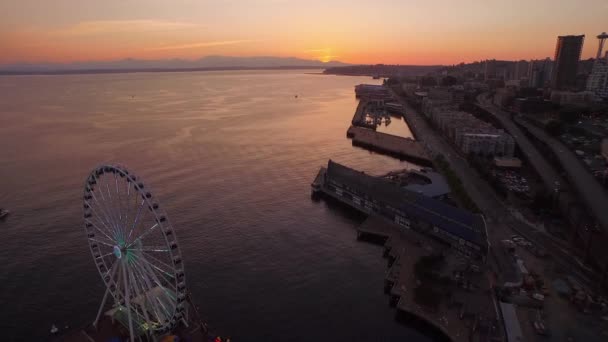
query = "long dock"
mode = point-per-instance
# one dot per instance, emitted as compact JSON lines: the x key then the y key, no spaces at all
{"x":391,"y":144}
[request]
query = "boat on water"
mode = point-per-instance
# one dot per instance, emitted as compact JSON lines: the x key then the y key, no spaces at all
{"x":4,"y":213}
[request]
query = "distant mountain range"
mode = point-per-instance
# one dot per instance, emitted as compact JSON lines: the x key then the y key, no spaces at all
{"x":133,"y":65}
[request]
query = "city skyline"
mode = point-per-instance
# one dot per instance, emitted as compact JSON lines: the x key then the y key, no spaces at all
{"x":360,"y":32}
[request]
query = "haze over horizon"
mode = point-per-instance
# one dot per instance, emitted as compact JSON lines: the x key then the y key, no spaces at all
{"x":355,"y":32}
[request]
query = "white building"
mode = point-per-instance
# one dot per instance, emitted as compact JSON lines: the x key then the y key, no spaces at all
{"x":597,"y":82}
{"x":434,"y":106}
{"x":563,"y":97}
{"x":488,"y":144}
{"x":472,"y":135}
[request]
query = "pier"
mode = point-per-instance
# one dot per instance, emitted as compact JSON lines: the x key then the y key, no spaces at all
{"x":436,"y":254}
{"x":400,"y":147}
{"x":462,"y":315}
{"x":464,"y":231}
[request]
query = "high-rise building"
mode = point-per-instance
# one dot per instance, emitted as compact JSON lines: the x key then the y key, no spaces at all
{"x":597,"y":82}
{"x":567,"y":55}
{"x":521,"y":70}
{"x":539,"y":72}
{"x":489,"y":69}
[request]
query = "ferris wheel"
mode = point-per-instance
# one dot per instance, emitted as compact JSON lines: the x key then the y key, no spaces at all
{"x":136,"y":253}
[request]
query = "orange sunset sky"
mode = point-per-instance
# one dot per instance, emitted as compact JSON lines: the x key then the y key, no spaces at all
{"x":375,"y":31}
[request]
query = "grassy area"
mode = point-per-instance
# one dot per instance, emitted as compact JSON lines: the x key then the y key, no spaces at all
{"x":456,"y":186}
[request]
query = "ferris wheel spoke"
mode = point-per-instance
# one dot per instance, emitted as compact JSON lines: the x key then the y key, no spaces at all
{"x":146,"y":286}
{"x":165,"y":273}
{"x":120,"y":216}
{"x":107,"y":205}
{"x":143,"y":293}
{"x":151,"y":249}
{"x":105,"y":223}
{"x":150,"y":280}
{"x":167,"y":312}
{"x":128,"y":302}
{"x":98,"y":203}
{"x":110,"y":228}
{"x":101,"y":242}
{"x":136,"y":220}
{"x":100,"y":230}
{"x":145,"y":233}
{"x":114,"y":212}
{"x":107,"y":254}
{"x":150,"y":269}
{"x":163,"y":264}
{"x":127,"y":207}
{"x":112,"y":272}
{"x":103,"y":207}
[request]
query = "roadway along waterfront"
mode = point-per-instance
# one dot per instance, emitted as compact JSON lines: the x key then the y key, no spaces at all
{"x":501,"y":223}
{"x":534,"y":157}
{"x":588,"y":188}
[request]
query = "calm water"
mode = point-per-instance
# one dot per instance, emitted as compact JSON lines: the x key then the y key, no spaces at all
{"x":231,"y":156}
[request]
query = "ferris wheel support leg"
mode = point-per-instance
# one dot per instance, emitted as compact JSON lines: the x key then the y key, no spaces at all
{"x":103,"y":304}
{"x":128,"y":302}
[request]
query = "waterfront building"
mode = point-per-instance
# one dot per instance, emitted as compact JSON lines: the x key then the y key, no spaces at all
{"x":429,"y":107}
{"x":471,"y":135}
{"x":372,"y":92}
{"x":462,"y":230}
{"x":567,"y":55}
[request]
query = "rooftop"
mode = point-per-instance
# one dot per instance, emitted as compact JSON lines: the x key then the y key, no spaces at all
{"x":459,"y":222}
{"x":438,"y":185}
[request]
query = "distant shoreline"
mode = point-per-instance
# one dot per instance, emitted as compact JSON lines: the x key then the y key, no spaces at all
{"x":129,"y":71}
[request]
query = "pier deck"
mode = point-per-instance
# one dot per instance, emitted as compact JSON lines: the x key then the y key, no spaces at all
{"x":460,"y":318}
{"x":391,"y":144}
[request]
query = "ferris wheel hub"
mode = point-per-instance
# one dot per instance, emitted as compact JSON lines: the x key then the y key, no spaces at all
{"x":117,"y":252}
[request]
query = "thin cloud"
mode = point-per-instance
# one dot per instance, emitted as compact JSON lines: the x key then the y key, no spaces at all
{"x":317,"y":50}
{"x":88,"y":28}
{"x":201,"y":45}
